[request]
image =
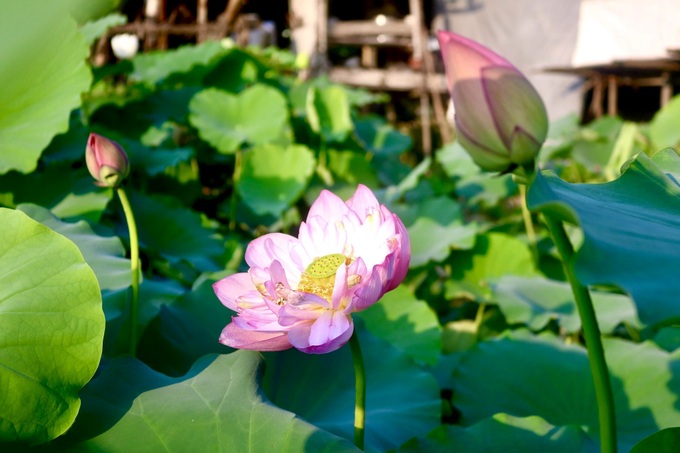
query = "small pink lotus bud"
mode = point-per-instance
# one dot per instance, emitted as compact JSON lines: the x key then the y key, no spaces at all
{"x":106,"y":161}
{"x":500,"y":118}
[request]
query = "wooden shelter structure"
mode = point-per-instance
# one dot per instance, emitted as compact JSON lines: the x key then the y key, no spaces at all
{"x":603,"y":83}
{"x":316,"y":34}
{"x":158,"y":23}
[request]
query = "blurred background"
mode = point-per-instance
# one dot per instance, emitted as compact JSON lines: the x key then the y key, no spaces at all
{"x":586,"y":57}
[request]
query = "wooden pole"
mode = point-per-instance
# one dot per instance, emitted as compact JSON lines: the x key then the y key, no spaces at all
{"x":152,"y":14}
{"x":309,"y":33}
{"x":201,"y":21}
{"x":417,"y":34}
{"x":228,"y":17}
{"x":439,"y":112}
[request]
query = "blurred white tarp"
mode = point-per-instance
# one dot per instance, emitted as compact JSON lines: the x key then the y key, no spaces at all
{"x":537,"y":34}
{"x":626,"y":29}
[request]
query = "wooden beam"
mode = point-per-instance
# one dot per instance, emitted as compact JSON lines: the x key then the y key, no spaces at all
{"x":180,"y":29}
{"x":388,"y":79}
{"x":358,"y":28}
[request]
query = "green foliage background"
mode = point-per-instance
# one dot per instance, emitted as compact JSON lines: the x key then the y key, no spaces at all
{"x":478,"y":350}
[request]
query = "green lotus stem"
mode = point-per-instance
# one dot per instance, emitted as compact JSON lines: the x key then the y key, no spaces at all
{"x":479,"y":318}
{"x":233,"y":202}
{"x":528,"y":224}
{"x":360,"y":384}
{"x":591,"y":334}
{"x":134,"y":268}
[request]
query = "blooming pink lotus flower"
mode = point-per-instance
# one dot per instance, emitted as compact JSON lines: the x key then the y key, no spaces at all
{"x":500,"y":118}
{"x":300,"y":292}
{"x":106,"y":160}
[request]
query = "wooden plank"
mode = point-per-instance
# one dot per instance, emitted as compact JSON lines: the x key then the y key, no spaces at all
{"x":357,"y":28}
{"x":374,"y":40}
{"x":180,"y":29}
{"x":388,"y":79}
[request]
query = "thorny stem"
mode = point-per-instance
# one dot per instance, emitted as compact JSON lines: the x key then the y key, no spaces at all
{"x":134,"y":268}
{"x":528,"y":224}
{"x":360,"y":383}
{"x":233,"y":202}
{"x":593,"y":339}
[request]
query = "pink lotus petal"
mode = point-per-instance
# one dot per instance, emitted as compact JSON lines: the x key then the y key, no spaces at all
{"x":323,"y":342}
{"x":235,"y":337}
{"x":328,"y":206}
{"x":230,"y":288}
{"x":463,"y":57}
{"x":321,"y":238}
{"x":281,"y":301}
{"x":363,"y":201}
{"x":273,"y":246}
{"x":302,"y":307}
{"x":372,"y":289}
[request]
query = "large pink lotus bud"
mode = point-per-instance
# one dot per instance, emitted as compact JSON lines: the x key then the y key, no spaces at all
{"x":106,"y":160}
{"x":500,"y":118}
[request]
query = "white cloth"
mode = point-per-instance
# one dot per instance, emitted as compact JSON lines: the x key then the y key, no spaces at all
{"x":626,"y":29}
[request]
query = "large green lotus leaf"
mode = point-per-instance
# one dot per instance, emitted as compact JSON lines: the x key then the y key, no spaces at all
{"x":328,"y":112}
{"x":524,"y":375}
{"x":494,"y":255}
{"x":130,"y":114}
{"x":51,"y":329}
{"x":668,"y":338}
{"x":665,"y":441}
{"x":379,"y":137}
{"x":41,"y":78}
{"x":216,"y":407}
{"x":402,"y":400}
{"x":504,"y":433}
{"x":158,"y":161}
{"x":630,"y":229}
{"x":86,"y":10}
{"x":153,"y":160}
{"x":407,"y":323}
{"x":357,"y":97}
{"x":96,"y":28}
{"x":456,"y":162}
{"x":185,"y":330}
{"x":234,"y":72}
{"x":105,"y":255}
{"x":471,"y":183}
{"x":352,"y":167}
{"x":663,"y":129}
{"x":175,"y":232}
{"x":71,"y":193}
{"x":486,"y":189}
{"x":594,"y":144}
{"x":133,"y":112}
{"x":434,"y":227}
{"x":258,"y":114}
{"x":535,"y":301}
{"x":403,"y":183}
{"x":69,"y":146}
{"x":154,"y":294}
{"x":560,"y":140}
{"x":154,"y":67}
{"x":273,"y":177}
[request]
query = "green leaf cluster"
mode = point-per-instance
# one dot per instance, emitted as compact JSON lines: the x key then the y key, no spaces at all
{"x":480,"y":349}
